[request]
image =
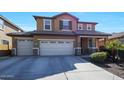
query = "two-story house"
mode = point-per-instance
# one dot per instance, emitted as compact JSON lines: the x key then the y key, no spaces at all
{"x":6,"y":41}
{"x":62,"y":34}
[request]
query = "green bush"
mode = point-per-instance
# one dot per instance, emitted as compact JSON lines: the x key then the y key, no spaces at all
{"x":121,"y":53}
{"x":114,"y":44}
{"x":98,"y":56}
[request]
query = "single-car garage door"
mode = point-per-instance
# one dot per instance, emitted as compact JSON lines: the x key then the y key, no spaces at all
{"x":55,"y":47}
{"x":24,"y":47}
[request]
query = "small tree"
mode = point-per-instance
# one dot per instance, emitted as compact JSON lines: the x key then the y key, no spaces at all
{"x":115,"y":44}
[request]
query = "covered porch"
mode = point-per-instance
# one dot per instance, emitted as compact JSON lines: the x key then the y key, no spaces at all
{"x":90,"y":44}
{"x":89,"y":41}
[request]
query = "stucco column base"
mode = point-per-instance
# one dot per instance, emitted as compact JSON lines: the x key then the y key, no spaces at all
{"x":13,"y":52}
{"x":36,"y":52}
{"x":78,"y":51}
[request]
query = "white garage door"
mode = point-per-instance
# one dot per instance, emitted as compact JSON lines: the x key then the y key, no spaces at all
{"x":56,"y":48}
{"x":24,"y":47}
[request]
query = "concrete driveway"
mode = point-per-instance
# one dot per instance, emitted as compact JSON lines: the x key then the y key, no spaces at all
{"x":52,"y":68}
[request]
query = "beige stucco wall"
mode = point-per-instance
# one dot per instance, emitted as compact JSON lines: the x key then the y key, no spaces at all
{"x":39,"y":24}
{"x":3,"y":36}
{"x":37,"y":38}
{"x":8,"y":28}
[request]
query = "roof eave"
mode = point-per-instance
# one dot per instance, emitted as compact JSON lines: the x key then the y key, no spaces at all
{"x":5,"y":19}
{"x":88,"y":22}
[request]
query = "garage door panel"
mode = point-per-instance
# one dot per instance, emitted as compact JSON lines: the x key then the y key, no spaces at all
{"x":56,"y":48}
{"x":24,"y":47}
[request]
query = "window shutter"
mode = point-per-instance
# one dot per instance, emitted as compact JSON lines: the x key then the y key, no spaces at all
{"x":61,"y":24}
{"x":70,"y":25}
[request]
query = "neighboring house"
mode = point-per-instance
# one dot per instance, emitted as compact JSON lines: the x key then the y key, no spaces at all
{"x":6,"y":41}
{"x":117,"y":36}
{"x":62,"y":34}
{"x":114,"y":36}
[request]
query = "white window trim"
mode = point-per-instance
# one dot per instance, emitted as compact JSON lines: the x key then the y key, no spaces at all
{"x":68,"y":21}
{"x":89,"y":46}
{"x":50,"y":25}
{"x":89,"y":25}
{"x":81,"y":27}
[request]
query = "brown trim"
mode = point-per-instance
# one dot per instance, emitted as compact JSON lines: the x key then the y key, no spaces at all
{"x":42,"y":17}
{"x":22,"y":35}
{"x":89,"y":22}
{"x":57,"y":33}
{"x":65,"y":13}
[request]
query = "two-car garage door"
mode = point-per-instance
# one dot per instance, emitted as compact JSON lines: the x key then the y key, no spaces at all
{"x":48,"y":47}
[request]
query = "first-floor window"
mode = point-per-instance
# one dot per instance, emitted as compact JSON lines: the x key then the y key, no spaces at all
{"x":92,"y":43}
{"x":5,"y":42}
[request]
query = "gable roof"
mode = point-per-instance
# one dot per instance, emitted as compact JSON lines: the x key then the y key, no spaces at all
{"x":65,"y":13}
{"x":5,"y":19}
{"x":20,"y":34}
{"x":42,"y":17}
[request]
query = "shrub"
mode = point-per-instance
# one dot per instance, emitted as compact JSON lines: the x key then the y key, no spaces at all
{"x":121,"y":54}
{"x":114,"y":44}
{"x":98,"y":56}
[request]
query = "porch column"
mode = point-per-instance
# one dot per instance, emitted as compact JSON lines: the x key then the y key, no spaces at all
{"x":79,"y":41}
{"x":97,"y":43}
{"x":78,"y":46}
{"x":105,"y":40}
{"x":14,"y":46}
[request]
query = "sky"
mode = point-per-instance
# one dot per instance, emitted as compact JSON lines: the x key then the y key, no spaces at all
{"x":108,"y":22}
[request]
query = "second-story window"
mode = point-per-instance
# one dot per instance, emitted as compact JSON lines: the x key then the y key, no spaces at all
{"x":80,"y":26}
{"x":47,"y":24}
{"x":89,"y":26}
{"x":65,"y":25}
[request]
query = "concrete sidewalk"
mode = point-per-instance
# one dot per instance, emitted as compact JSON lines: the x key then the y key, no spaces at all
{"x":84,"y":71}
